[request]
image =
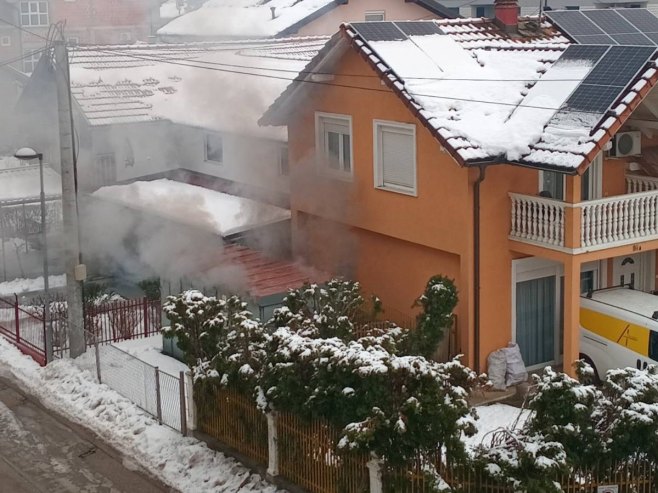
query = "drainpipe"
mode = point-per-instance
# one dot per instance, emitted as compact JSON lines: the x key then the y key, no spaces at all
{"x":476,"y":266}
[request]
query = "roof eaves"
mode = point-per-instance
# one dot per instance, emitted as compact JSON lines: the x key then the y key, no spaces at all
{"x":292,"y":29}
{"x":436,"y":8}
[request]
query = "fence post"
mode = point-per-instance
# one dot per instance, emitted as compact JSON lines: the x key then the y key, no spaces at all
{"x":158,"y":395}
{"x":17,"y":315}
{"x":272,"y":445}
{"x":98,"y":359}
{"x":375,"y":474}
{"x":191,"y":405}
{"x":145,"y":309}
{"x":183,"y":412}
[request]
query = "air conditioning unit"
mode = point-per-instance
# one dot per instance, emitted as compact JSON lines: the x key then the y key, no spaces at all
{"x":626,"y":144}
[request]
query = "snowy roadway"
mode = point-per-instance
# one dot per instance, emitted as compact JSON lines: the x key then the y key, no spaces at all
{"x":41,"y":453}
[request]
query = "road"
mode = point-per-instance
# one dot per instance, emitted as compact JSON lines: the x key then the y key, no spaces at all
{"x":41,"y":452}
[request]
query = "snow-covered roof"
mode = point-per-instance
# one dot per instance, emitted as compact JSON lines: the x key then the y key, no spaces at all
{"x":21,"y":182}
{"x":487,"y":96}
{"x":170,"y":9}
{"x":244,"y":18}
{"x":249,"y":18}
{"x":217,"y":86}
{"x":212,"y":211}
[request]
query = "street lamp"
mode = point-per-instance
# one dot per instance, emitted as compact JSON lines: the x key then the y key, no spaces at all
{"x":28,"y":154}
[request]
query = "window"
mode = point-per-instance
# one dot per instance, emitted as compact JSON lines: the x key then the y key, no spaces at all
{"x":30,"y":62}
{"x":214,"y":148}
{"x":284,"y":166}
{"x":587,"y":281}
{"x":107,"y":169}
{"x":395,"y":157}
{"x":573,"y":7}
{"x":590,"y":182}
{"x":34,"y":13}
{"x":375,"y":16}
{"x":334,"y":143}
{"x":74,"y":40}
{"x":483,"y":11}
{"x":5,"y":41}
{"x":653,"y":345}
{"x":125,"y":37}
{"x":551,"y":185}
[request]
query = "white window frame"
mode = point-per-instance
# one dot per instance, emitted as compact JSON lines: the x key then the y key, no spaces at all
{"x":321,"y":121}
{"x":402,"y":128}
{"x":73,"y":40}
{"x":34,"y":9}
{"x":5,"y":41}
{"x":381,"y":14}
{"x":205,"y":148}
{"x":30,"y":61}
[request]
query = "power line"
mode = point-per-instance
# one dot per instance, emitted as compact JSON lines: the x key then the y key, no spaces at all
{"x":349,"y":86}
{"x":311,"y":72}
{"x":21,"y":28}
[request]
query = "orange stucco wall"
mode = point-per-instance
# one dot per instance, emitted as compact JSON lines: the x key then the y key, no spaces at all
{"x":355,"y":10}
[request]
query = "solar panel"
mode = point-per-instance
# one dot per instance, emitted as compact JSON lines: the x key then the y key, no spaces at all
{"x":379,"y":31}
{"x":573,"y":22}
{"x":634,"y":39}
{"x":619,"y":65}
{"x":652,"y":36}
{"x":609,"y":21}
{"x":642,"y":19}
{"x":580,"y":52}
{"x":592,"y":98}
{"x":595,"y":39}
{"x":419,"y":28}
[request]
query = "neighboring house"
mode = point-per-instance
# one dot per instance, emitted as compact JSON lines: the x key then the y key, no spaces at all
{"x":188,"y":112}
{"x":485,"y":8}
{"x":508,"y":162}
{"x":222,"y":19}
{"x":86,"y":22}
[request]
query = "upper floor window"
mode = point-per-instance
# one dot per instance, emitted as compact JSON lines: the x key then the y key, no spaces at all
{"x":214,"y":148}
{"x":572,"y":7}
{"x":483,"y":11}
{"x":5,"y":41}
{"x":375,"y":16}
{"x":34,"y":14}
{"x":30,"y":62}
{"x":551,"y":185}
{"x":284,"y":166}
{"x":395,"y":157}
{"x":107,"y":169}
{"x":334,"y":143}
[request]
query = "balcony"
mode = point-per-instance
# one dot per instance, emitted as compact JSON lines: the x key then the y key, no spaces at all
{"x":591,"y":225}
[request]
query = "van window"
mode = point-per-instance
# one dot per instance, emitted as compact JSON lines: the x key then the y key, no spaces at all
{"x":653,"y":345}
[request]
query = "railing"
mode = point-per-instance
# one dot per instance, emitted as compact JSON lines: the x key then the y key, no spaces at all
{"x":23,"y":328}
{"x":611,"y":220}
{"x":537,"y":219}
{"x":639,"y":183}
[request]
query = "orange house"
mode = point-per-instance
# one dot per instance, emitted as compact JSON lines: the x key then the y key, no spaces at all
{"x":496,"y":152}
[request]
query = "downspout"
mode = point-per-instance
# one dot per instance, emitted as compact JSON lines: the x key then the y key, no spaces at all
{"x":476,"y":266}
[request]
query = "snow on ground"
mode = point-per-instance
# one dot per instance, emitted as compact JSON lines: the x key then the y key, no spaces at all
{"x":494,"y":417}
{"x":18,"y":286}
{"x":183,"y":463}
{"x":149,"y":350}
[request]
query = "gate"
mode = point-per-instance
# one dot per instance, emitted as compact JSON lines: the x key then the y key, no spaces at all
{"x":25,"y":329}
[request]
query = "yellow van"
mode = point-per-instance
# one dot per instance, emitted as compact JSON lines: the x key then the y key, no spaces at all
{"x":619,"y":328}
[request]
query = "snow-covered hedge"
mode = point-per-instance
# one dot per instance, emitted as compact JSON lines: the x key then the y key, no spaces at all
{"x":388,"y":403}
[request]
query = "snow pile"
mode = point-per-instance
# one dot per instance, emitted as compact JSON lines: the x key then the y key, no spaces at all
{"x":18,"y":286}
{"x":240,"y":18}
{"x":216,"y":212}
{"x":149,"y":350}
{"x":183,"y":463}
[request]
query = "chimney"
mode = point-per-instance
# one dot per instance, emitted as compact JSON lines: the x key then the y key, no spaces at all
{"x":273,"y":10}
{"x":507,"y":15}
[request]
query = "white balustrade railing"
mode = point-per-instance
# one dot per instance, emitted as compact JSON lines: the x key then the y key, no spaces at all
{"x":639,"y":183}
{"x":537,"y":219}
{"x":619,"y":218}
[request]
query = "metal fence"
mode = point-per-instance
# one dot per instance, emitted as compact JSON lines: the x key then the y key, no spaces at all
{"x":159,"y":393}
{"x":23,"y":328}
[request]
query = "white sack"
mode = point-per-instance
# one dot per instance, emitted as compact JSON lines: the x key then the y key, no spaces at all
{"x":516,"y":371}
{"x":497,"y":368}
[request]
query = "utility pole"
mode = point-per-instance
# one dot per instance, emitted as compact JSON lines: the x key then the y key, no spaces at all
{"x":74,"y":271}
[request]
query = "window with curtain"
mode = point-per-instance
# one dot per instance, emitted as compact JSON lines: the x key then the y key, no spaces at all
{"x":535,"y":320}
